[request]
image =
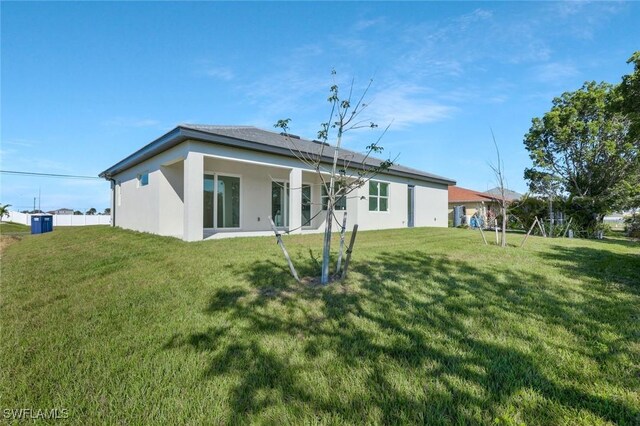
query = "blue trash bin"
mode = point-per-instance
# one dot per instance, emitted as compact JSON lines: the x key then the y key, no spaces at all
{"x":41,"y":223}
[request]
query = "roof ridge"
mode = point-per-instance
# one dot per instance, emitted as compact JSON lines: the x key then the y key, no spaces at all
{"x":218,"y":126}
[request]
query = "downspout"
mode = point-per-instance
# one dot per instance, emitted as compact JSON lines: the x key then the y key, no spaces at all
{"x":114,"y":202}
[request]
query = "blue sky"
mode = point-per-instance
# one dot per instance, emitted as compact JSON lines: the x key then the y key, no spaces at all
{"x":85,"y":84}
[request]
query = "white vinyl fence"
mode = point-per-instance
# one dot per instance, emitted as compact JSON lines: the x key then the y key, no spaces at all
{"x":63,"y":219}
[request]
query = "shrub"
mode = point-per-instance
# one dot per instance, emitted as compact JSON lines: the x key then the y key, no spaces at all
{"x":632,"y":226}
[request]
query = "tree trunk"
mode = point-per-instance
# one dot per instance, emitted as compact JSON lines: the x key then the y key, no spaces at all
{"x":504,"y":226}
{"x":551,"y":217}
{"x":326,"y":248}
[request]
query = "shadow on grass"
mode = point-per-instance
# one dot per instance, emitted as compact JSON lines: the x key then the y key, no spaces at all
{"x":600,"y":264}
{"x":425,"y":317}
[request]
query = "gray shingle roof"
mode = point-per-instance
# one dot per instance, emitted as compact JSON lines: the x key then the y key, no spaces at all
{"x":508,"y":194}
{"x":250,"y":137}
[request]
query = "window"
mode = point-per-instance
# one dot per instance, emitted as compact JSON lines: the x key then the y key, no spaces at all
{"x":378,"y":196}
{"x":341,"y":203}
{"x":143,"y":179}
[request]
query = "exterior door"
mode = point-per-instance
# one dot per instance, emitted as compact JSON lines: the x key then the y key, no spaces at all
{"x":411,"y":205}
{"x":221,"y":201}
{"x":306,"y":205}
{"x":280,"y":203}
{"x":208,"y":201}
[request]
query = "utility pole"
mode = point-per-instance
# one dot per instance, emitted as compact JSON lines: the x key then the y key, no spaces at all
{"x":34,"y":204}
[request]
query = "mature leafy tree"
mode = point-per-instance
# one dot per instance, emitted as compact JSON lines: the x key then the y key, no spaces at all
{"x":628,"y":103}
{"x":629,"y":97}
{"x":92,"y":211}
{"x":77,"y":213}
{"x":581,"y":147}
{"x":107,"y":211}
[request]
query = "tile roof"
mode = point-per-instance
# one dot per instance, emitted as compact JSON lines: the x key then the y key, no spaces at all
{"x":458,"y":194}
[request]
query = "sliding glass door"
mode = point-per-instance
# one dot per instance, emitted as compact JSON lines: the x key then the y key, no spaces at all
{"x":228,"y":205}
{"x":221,"y":201}
{"x":208,"y":204}
{"x":280,"y":203}
{"x":306,"y":205}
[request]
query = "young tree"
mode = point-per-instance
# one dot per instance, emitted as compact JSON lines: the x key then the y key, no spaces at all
{"x":498,"y":171}
{"x":581,"y":144}
{"x":342,"y":174}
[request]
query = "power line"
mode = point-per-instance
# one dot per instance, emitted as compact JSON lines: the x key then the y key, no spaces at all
{"x":49,"y":175}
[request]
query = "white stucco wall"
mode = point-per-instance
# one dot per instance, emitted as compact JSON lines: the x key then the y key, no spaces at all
{"x":430,"y":205}
{"x":159,"y":207}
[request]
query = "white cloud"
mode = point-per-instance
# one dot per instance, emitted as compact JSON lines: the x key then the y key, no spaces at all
{"x":406,"y":105}
{"x":131,"y":122}
{"x":364,"y":24}
{"x":19,"y":142}
{"x":220,"y":73}
{"x":554,"y":72}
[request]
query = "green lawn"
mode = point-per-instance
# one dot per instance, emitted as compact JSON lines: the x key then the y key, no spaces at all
{"x":431,"y":327}
{"x":12,"y":227}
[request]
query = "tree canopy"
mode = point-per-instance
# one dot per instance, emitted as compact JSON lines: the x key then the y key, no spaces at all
{"x":583,"y":149}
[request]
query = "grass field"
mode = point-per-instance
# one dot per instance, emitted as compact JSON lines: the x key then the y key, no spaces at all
{"x":12,"y":227}
{"x":431,"y":327}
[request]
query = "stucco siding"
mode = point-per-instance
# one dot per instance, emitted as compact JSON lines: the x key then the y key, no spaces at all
{"x":169,"y":205}
{"x":146,"y":208}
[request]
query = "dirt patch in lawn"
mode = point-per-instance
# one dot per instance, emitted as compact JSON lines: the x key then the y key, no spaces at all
{"x":6,"y":241}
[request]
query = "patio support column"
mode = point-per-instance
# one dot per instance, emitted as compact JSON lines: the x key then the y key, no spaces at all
{"x":193,"y":197}
{"x":295,"y":200}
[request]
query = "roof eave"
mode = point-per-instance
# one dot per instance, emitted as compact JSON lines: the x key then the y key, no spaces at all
{"x":181,"y":134}
{"x":171,"y":138}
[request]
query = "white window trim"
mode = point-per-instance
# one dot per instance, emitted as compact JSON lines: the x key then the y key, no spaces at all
{"x":215,"y":200}
{"x":380,"y":196}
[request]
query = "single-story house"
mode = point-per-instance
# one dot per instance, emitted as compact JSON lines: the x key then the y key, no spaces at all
{"x":485,"y":204}
{"x":472,"y":202}
{"x":61,"y":211}
{"x":202,"y":181}
{"x":509,"y":194}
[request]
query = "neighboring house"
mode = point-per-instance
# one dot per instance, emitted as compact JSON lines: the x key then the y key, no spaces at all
{"x":471,"y":202}
{"x":61,"y":211}
{"x":509,"y":195}
{"x":200,"y":181}
{"x":485,"y":204}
